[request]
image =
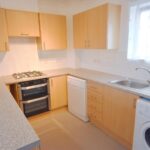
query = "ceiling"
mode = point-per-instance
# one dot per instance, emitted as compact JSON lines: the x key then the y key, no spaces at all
{"x":70,"y":3}
{"x":71,"y":6}
{"x":68,"y":6}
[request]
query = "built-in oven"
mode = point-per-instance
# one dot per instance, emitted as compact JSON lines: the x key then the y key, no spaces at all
{"x":33,"y":96}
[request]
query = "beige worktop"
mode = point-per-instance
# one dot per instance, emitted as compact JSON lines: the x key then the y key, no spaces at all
{"x":105,"y":78}
{"x":15,"y":128}
{"x":86,"y":74}
{"x":15,"y":131}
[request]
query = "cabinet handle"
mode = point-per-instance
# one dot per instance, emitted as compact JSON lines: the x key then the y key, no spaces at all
{"x":24,"y":34}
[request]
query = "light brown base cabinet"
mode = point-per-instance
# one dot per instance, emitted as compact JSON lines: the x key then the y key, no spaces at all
{"x":95,"y":100}
{"x":14,"y":91}
{"x":58,"y":92}
{"x":113,"y":111}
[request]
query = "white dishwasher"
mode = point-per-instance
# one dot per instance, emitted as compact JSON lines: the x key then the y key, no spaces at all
{"x":77,"y":97}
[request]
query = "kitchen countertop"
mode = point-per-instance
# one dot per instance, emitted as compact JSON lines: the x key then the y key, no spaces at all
{"x":105,"y":78}
{"x":11,"y":80}
{"x":86,"y":74}
{"x":15,"y":130}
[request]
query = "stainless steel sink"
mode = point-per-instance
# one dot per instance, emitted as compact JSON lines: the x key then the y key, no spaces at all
{"x":131,"y":84}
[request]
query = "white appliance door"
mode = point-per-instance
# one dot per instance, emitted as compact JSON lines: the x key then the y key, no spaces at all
{"x":142,"y":126}
{"x":77,"y":99}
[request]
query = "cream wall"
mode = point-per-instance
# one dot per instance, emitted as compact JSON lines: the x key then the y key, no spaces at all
{"x":114,"y":61}
{"x":23,"y":54}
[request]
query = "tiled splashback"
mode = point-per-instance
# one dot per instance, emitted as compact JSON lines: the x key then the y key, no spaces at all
{"x":24,"y":56}
{"x":114,"y":62}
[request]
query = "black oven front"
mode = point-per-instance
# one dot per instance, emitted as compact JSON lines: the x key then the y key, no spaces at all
{"x":34,"y":97}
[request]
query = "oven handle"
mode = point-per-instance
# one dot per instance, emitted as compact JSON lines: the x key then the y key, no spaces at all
{"x":34,"y":100}
{"x":34,"y":86}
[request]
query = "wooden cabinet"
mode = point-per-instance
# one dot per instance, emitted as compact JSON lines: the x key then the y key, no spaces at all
{"x":95,"y":102}
{"x":21,"y":23}
{"x":3,"y":31}
{"x":80,"y":30}
{"x":58,"y":92}
{"x":13,"y":88}
{"x":112,"y":110}
{"x":98,"y":27}
{"x":119,"y":113}
{"x":53,"y":32}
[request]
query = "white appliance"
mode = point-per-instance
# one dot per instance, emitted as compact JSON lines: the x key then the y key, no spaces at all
{"x":77,"y":97}
{"x":142,"y":126}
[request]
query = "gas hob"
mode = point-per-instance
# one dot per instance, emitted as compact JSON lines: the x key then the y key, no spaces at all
{"x":29,"y":74}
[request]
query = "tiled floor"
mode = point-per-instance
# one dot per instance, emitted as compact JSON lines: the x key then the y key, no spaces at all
{"x":59,"y":130}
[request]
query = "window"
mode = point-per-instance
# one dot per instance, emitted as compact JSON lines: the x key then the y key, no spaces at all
{"x":139,"y":32}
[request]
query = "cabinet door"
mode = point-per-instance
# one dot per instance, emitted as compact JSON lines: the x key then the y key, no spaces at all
{"x":80,"y":30}
{"x":95,"y":107}
{"x":21,"y":23}
{"x":90,"y":28}
{"x":58,"y":91}
{"x":97,"y":27}
{"x":107,"y":109}
{"x":119,"y":113}
{"x":53,"y":32}
{"x":95,"y":103}
{"x":123,"y":112}
{"x":3,"y":31}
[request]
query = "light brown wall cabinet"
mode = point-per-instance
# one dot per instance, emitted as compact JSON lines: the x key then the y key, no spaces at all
{"x":98,"y":28}
{"x":58,"y":92}
{"x":112,"y":110}
{"x":3,"y":31}
{"x":22,"y":23}
{"x":53,"y":32}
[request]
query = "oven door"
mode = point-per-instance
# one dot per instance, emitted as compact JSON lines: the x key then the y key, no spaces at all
{"x":35,"y":106}
{"x":33,"y":92}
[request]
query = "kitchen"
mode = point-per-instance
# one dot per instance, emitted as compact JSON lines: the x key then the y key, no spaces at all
{"x":98,"y":66}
